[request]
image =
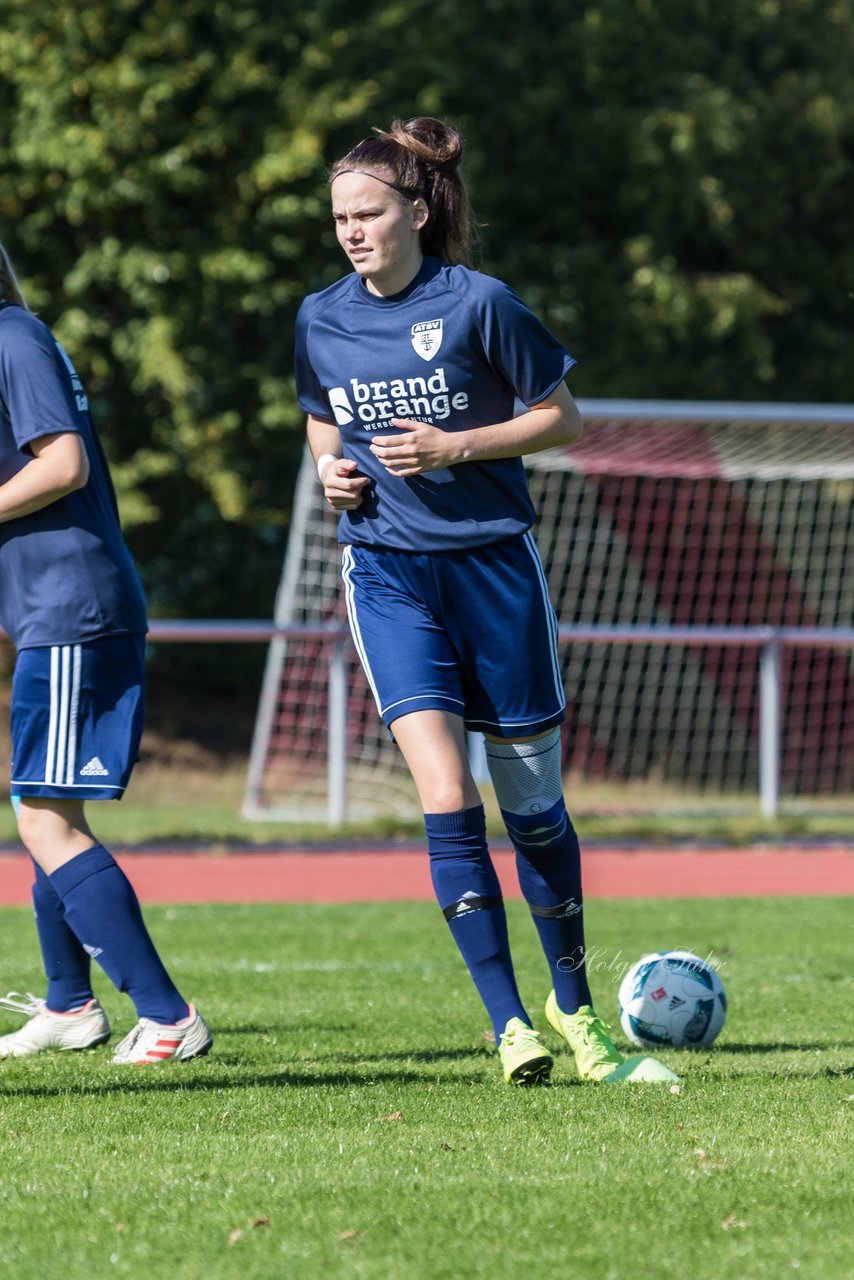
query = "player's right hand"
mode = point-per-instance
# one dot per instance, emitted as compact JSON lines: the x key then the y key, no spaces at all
{"x":342,"y":487}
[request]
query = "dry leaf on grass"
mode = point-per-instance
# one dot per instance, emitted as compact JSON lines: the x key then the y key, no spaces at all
{"x":705,"y":1162}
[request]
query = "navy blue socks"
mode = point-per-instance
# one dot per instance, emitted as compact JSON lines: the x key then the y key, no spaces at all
{"x":66,"y":964}
{"x":101,"y":910}
{"x":548,"y":862}
{"x":469,"y":894}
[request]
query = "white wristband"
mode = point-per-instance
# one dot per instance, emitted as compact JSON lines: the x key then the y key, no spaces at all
{"x":322,"y":461}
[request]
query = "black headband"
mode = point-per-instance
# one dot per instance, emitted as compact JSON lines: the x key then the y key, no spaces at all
{"x":395,"y":186}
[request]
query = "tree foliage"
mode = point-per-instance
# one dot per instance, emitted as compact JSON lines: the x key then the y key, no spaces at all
{"x":669,"y":185}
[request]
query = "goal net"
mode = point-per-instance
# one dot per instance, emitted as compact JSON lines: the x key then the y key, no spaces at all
{"x":664,"y":515}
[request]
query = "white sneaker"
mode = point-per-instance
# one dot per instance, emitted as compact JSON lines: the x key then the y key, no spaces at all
{"x":153,"y":1042}
{"x":81,"y":1029}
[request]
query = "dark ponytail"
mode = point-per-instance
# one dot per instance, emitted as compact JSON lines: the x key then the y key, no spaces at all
{"x":10,"y":290}
{"x":421,"y":157}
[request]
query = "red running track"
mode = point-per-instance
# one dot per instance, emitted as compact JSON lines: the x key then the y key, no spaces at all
{"x":327,"y":875}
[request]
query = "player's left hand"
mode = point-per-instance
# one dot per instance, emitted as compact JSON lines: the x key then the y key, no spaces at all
{"x":419,"y":447}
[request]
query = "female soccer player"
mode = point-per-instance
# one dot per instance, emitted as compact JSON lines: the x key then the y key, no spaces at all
{"x":72,"y":604}
{"x":408,"y":369}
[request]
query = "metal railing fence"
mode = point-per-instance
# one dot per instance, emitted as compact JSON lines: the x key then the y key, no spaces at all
{"x":770,"y":641}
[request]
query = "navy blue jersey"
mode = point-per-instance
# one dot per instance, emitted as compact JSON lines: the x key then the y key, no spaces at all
{"x":455,"y":348}
{"x":65,"y":572}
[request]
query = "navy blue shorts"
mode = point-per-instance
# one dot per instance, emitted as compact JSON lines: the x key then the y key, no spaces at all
{"x":77,"y":713}
{"x":471,"y":632}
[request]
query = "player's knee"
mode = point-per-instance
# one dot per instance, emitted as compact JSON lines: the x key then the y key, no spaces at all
{"x":529,"y":790}
{"x":30,"y":825}
{"x":46,"y":826}
{"x":449,"y":797}
{"x":526,"y":775}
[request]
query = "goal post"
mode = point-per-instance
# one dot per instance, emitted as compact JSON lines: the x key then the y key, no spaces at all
{"x":664,"y":515}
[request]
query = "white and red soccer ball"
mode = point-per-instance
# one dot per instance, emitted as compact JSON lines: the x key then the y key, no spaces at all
{"x":672,"y":998}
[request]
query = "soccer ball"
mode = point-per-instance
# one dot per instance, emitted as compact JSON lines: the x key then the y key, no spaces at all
{"x":672,"y":998}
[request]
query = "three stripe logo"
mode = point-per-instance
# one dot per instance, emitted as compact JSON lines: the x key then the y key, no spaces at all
{"x":94,"y":769}
{"x":162,"y":1050}
{"x":65,"y":669}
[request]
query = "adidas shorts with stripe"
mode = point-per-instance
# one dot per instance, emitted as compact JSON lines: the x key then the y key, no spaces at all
{"x":77,"y":714}
{"x":468,"y":631}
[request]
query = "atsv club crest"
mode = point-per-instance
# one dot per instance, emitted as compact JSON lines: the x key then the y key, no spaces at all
{"x":427,"y":338}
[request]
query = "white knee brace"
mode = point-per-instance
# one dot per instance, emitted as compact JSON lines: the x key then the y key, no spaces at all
{"x":526,"y":775}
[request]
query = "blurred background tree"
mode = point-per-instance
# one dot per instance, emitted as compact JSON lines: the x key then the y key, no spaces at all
{"x":668,"y":185}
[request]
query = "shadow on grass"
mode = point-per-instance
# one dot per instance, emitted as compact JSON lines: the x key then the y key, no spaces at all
{"x":302,"y":1028}
{"x":292,"y":1029}
{"x":168,"y":1081}
{"x":408,"y":1055}
{"x":451,"y":1055}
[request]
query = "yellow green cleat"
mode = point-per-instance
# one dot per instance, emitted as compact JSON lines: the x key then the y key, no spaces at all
{"x":524,"y":1057}
{"x":596,"y":1055}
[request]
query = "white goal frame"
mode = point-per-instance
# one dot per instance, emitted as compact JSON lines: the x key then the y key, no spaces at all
{"x":827,"y":432}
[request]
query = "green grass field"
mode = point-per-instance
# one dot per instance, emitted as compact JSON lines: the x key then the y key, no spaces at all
{"x":352,"y":1120}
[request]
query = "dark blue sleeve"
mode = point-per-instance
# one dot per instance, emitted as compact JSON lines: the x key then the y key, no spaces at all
{"x":519,"y":347}
{"x":36,"y":392}
{"x":311,"y":396}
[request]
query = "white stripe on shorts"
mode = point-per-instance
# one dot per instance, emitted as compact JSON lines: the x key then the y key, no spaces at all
{"x":65,"y":667}
{"x":347,"y":567}
{"x":76,"y":663}
{"x":531,"y":544}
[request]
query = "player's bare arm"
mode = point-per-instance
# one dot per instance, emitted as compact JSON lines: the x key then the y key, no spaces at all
{"x":59,"y":466}
{"x":421,"y":447}
{"x":342,"y":488}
